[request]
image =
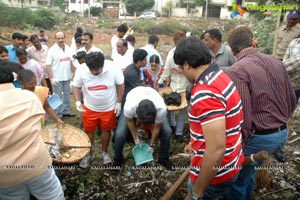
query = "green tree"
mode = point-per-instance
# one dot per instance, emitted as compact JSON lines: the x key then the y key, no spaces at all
{"x":201,"y":2}
{"x":133,"y":6}
{"x":59,"y":3}
{"x":168,"y":7}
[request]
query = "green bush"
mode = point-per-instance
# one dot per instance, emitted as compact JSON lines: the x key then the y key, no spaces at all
{"x":263,"y":30}
{"x":45,"y":18}
{"x":23,"y":18}
{"x":165,"y":27}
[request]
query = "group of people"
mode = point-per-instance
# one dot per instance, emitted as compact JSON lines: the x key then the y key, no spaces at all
{"x":239,"y":104}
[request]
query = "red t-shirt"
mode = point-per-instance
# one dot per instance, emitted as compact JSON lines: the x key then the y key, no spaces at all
{"x":214,"y":97}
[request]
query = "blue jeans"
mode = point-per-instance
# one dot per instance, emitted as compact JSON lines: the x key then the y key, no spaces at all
{"x":45,"y":186}
{"x":180,"y":120}
{"x":63,"y":90}
{"x":121,"y":134}
{"x":214,"y":191}
{"x":244,"y":186}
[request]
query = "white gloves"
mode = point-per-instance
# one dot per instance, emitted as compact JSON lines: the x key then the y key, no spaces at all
{"x":118,"y":109}
{"x":138,"y":142}
{"x":54,"y":82}
{"x":151,"y":149}
{"x":79,"y":106}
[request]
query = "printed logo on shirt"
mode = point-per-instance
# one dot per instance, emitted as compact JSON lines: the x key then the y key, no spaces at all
{"x":64,"y":59}
{"x":97,"y":87}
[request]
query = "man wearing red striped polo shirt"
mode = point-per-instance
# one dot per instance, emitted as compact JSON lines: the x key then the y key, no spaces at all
{"x":215,"y":118}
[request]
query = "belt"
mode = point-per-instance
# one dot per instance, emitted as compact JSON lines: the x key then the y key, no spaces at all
{"x":270,"y":131}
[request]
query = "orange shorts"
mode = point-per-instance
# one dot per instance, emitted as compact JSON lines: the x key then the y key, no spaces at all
{"x":91,"y":120}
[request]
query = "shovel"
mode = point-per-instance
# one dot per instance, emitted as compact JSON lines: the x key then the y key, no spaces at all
{"x":141,"y":154}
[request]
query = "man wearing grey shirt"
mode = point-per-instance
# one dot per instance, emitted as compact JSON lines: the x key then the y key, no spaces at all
{"x":221,"y":53}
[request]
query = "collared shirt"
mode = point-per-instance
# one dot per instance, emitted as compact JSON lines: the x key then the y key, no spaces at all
{"x":21,"y":143}
{"x":215,"y":97}
{"x":152,"y":51}
{"x":60,"y":62}
{"x":293,"y":49}
{"x":92,"y":49}
{"x":122,"y":61}
{"x":292,"y":66}
{"x":12,"y":56}
{"x":223,"y":57}
{"x":39,"y":56}
{"x":178,"y":80}
{"x":113,"y":43}
{"x":285,"y":37}
{"x":264,"y":85}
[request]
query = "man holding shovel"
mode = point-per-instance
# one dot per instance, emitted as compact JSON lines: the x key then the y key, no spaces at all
{"x":215,"y":118}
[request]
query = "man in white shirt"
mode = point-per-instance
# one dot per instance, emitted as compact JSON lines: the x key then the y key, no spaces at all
{"x":151,"y":49}
{"x":103,"y":88}
{"x":145,"y":104}
{"x":87,"y":43}
{"x":121,"y":33}
{"x":59,"y":69}
{"x":124,"y":56}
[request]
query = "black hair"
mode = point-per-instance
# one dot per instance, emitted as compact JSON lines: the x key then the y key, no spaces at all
{"x":146,"y":112}
{"x":79,"y":55}
{"x":154,"y":58}
{"x":17,"y":36}
{"x":41,"y":31}
{"x":139,"y":54}
{"x":202,"y":35}
{"x":123,"y":28}
{"x":94,"y":60}
{"x":21,"y":51}
{"x":16,"y":67}
{"x":77,"y":35}
{"x":3,"y":49}
{"x":89,"y":35}
{"x":6,"y":75}
{"x":215,"y":34}
{"x":32,"y":37}
{"x":240,"y":38}
{"x":124,"y":42}
{"x":152,"y":39}
{"x":130,"y":38}
{"x":25,"y":75}
{"x":78,"y":40}
{"x":192,"y":51}
{"x":79,"y":30}
{"x":25,"y":37}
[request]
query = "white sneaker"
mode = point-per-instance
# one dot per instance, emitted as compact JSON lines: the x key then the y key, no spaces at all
{"x":106,"y":158}
{"x":86,"y":161}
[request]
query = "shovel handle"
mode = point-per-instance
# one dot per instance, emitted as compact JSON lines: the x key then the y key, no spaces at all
{"x":170,"y":193}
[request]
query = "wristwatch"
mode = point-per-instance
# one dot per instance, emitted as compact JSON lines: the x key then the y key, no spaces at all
{"x":196,"y":196}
